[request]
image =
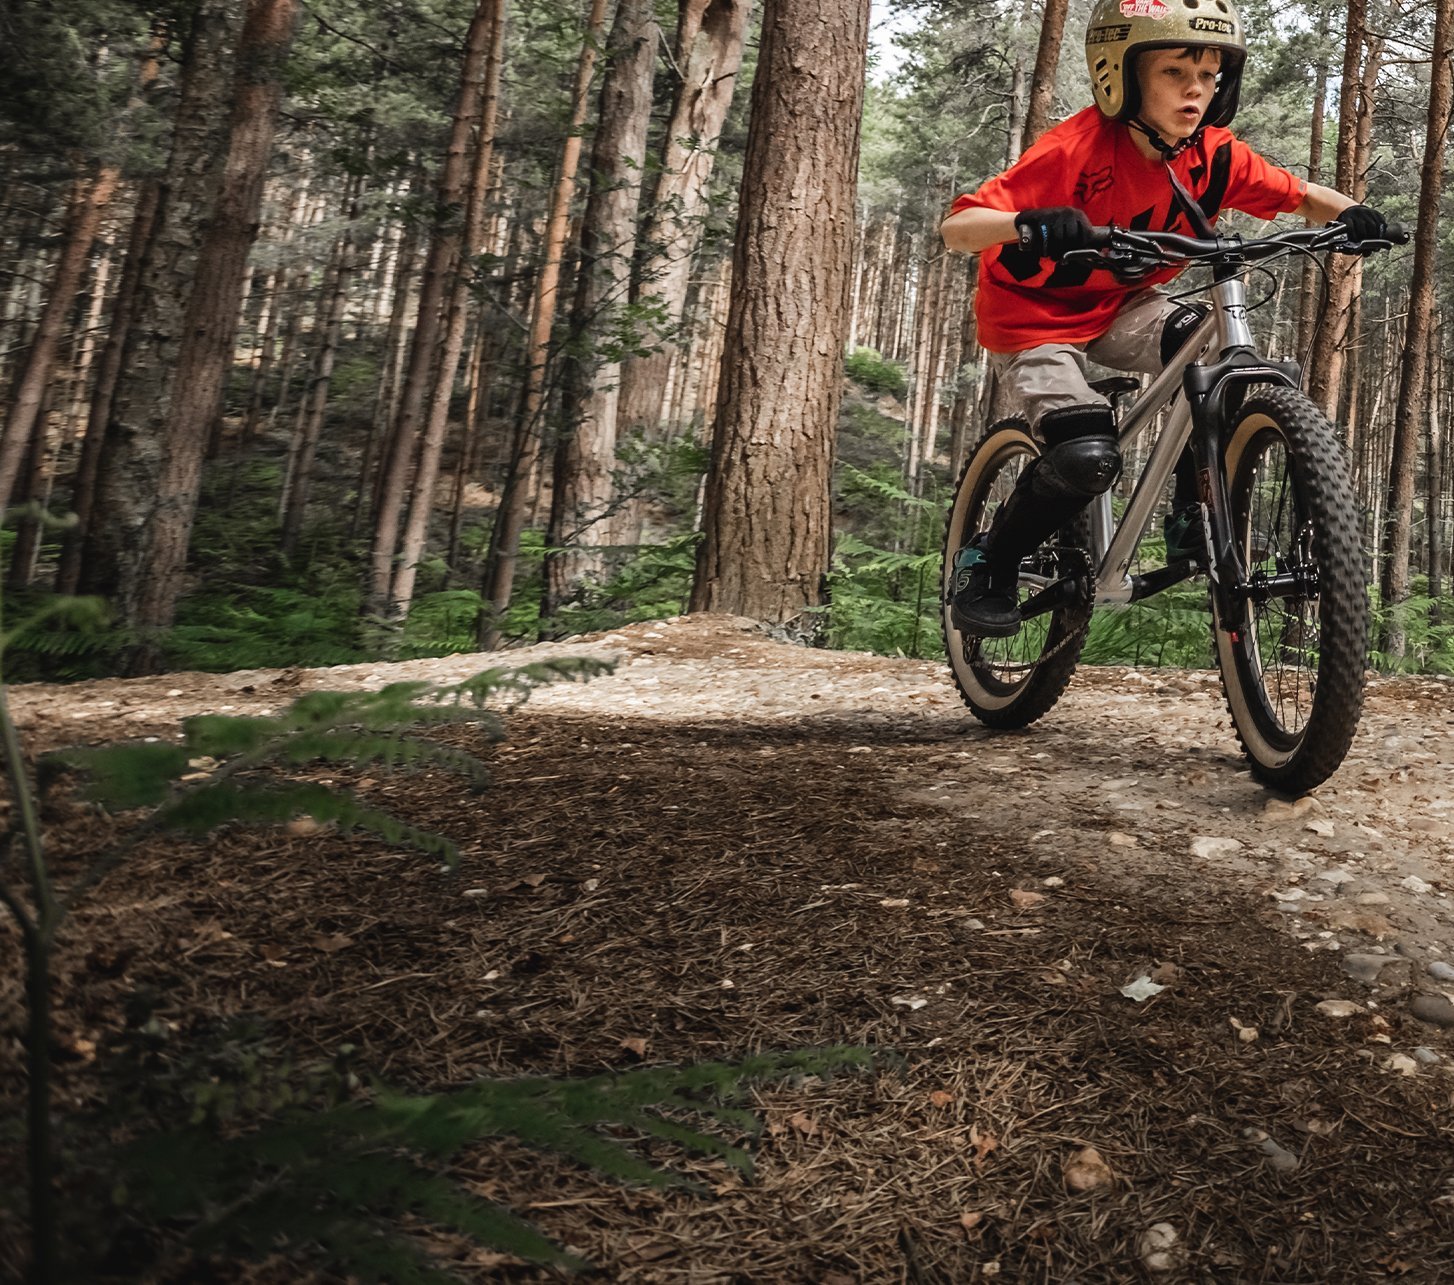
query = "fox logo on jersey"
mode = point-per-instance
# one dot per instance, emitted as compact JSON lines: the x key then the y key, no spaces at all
{"x":1092,"y":183}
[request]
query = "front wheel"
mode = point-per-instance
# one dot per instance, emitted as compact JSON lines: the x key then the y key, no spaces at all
{"x":1010,"y":682}
{"x":1292,"y":657}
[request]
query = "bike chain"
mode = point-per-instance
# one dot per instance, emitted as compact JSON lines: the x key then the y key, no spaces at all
{"x":1086,"y":577}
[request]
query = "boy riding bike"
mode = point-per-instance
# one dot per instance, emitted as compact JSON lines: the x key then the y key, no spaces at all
{"x":1152,"y":153}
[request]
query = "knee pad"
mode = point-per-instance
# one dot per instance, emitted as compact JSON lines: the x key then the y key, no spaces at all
{"x":1177,"y":328}
{"x":1080,"y":468}
{"x":1083,"y":457}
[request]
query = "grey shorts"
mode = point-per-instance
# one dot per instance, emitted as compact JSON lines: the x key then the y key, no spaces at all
{"x":1054,"y":376}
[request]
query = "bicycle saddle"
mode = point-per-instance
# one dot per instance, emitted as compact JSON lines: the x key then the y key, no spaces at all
{"x":1114,"y":386}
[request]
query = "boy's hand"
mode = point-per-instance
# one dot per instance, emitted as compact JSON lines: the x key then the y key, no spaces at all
{"x":1363,"y":224}
{"x":1056,"y":230}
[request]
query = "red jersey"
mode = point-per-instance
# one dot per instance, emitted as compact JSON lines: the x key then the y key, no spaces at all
{"x":1091,"y":162}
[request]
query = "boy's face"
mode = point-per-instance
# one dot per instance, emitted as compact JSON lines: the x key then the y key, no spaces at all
{"x":1176,"y":88}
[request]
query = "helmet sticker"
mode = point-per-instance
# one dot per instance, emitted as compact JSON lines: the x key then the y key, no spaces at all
{"x":1219,"y":26}
{"x":1144,"y":8}
{"x":1108,"y":35}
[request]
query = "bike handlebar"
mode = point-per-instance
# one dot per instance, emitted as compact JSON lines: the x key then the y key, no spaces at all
{"x":1113,"y":243}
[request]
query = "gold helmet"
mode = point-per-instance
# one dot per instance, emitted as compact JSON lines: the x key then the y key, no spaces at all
{"x":1120,"y":30}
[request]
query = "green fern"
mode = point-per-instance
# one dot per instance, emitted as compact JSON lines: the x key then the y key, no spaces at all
{"x":337,"y":1183}
{"x":884,"y":488}
{"x":225,"y":769}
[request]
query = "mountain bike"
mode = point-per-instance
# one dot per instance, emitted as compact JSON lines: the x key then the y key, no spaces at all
{"x":1283,"y":557}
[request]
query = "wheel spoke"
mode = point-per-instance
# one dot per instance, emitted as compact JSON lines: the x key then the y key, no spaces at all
{"x":1009,"y":682}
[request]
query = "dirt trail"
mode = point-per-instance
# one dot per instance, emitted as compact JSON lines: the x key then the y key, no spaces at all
{"x":732,"y":843}
{"x":1129,"y":772}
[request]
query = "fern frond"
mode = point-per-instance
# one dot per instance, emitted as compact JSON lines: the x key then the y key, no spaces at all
{"x":888,"y":490}
{"x":523,"y":679}
{"x":360,"y":750}
{"x":204,"y":809}
{"x":123,"y":776}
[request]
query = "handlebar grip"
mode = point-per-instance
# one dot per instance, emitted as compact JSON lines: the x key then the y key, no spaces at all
{"x":1397,"y":233}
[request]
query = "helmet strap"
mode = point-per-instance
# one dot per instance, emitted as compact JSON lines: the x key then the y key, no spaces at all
{"x":1195,"y":215}
{"x":1169,"y":151}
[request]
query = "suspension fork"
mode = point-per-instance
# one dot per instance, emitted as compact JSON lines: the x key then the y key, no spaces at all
{"x":1214,"y":392}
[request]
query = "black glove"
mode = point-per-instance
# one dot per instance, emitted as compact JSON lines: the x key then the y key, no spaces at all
{"x":1052,"y":232}
{"x":1363,"y":224}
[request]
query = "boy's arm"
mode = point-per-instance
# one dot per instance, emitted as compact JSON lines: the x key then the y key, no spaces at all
{"x":1323,"y":204}
{"x":978,"y":228}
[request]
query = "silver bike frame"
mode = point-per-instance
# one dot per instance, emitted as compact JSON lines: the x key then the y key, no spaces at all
{"x":1114,"y":545}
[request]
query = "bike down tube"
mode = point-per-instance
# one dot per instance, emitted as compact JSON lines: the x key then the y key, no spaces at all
{"x":1113,"y":582}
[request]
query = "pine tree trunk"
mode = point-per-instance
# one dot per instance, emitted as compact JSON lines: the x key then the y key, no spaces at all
{"x":85,"y":352}
{"x":525,"y":448}
{"x":94,"y":440}
{"x":1362,"y":58}
{"x":135,"y":433}
{"x":1047,"y":60}
{"x":440,"y":262}
{"x":298,"y":484}
{"x":1433,"y":475}
{"x":396,"y":346}
{"x":152,"y":580}
{"x":486,"y":96}
{"x":709,"y":43}
{"x":1308,"y":294}
{"x":1413,"y":409}
{"x":1015,"y":132}
{"x":768,"y":513}
{"x":585,"y":454}
{"x":83,"y":222}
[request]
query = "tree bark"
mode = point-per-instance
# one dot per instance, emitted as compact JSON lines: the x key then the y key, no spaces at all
{"x":710,"y":36}
{"x":1047,"y":60}
{"x":83,"y":221}
{"x":1307,"y":294}
{"x":421,"y":505}
{"x":188,"y":191}
{"x":152,"y":581}
{"x":1362,"y":58}
{"x":298,"y":484}
{"x":585,"y":455}
{"x":1412,"y":413}
{"x":441,"y":261}
{"x":768,"y":513}
{"x":95,"y":440}
{"x":1433,"y":476}
{"x":525,"y":448}
{"x":396,"y":344}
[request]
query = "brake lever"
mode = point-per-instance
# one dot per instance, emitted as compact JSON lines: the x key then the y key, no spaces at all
{"x":1397,"y":235}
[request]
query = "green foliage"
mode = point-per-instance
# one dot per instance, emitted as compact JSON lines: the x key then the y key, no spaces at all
{"x":58,"y":637}
{"x":1428,"y":629}
{"x":341,"y":1182}
{"x":1173,"y":628}
{"x":884,"y":601}
{"x":262,"y":626}
{"x":875,"y":373}
{"x":224,"y":770}
{"x":66,"y":67}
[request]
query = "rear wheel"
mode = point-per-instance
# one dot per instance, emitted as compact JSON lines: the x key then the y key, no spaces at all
{"x":1292,"y":659}
{"x":1010,"y":682}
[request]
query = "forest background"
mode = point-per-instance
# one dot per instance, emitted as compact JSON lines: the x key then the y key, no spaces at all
{"x":346,"y":330}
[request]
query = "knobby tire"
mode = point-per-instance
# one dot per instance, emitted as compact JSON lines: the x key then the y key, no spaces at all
{"x":1292,"y":667}
{"x":1010,"y":682}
